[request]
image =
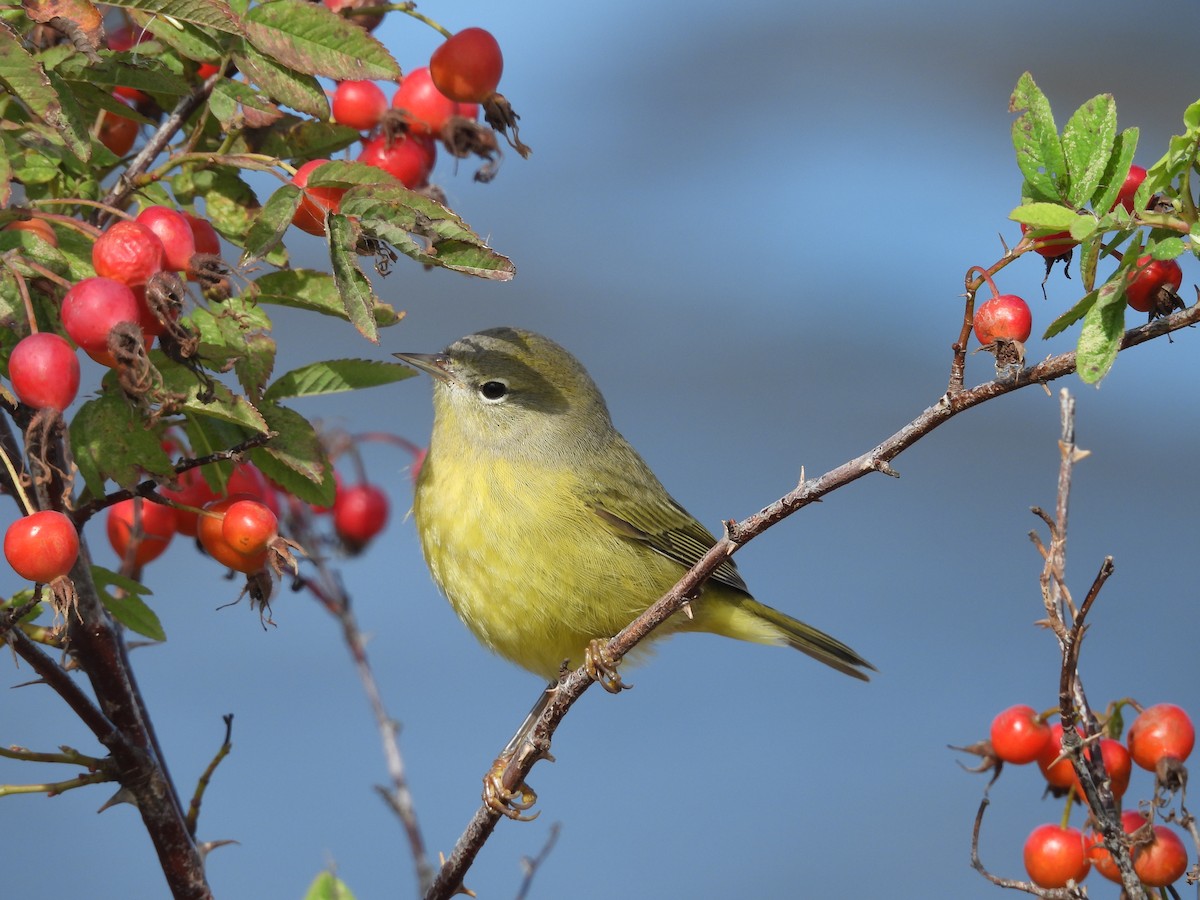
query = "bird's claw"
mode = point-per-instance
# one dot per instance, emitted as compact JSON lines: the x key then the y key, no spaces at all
{"x":602,"y":669}
{"x":511,"y":803}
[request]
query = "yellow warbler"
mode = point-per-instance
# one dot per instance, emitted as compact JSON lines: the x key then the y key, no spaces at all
{"x":543,"y":526}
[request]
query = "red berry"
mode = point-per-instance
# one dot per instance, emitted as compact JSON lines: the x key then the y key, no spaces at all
{"x":128,"y":252}
{"x":1117,"y":764}
{"x":44,"y":371}
{"x":409,"y":159}
{"x":310,"y":214}
{"x":359,"y":104}
{"x":148,"y":536}
{"x":1133,"y":181}
{"x":1005,"y":317}
{"x":360,"y":513}
{"x":248,"y":480}
{"x":1054,"y":245}
{"x":40,"y":227}
{"x":248,"y":526}
{"x":1162,"y":731}
{"x":175,"y":234}
{"x":42,"y":546}
{"x":1061,"y":774}
{"x":205,"y":236}
{"x":193,"y":491}
{"x":1163,"y":861}
{"x":210,"y":531}
{"x":1018,"y":736}
{"x":1144,"y":282}
{"x":117,"y":132}
{"x":468,"y":65}
{"x":424,"y":107}
{"x":1055,"y":855}
{"x":92,"y":308}
{"x":1160,"y":862}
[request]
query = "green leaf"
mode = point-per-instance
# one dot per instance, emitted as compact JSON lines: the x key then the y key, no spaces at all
{"x":43,"y":92}
{"x":1089,"y":257}
{"x":1035,"y":138}
{"x":311,"y":38}
{"x":313,"y":291}
{"x":1119,"y":161}
{"x":1071,"y":316}
{"x":334,"y":376}
{"x":355,"y":290}
{"x":212,"y":399}
{"x":271,"y":222}
{"x":1103,"y":327}
{"x":126,"y":603}
{"x":228,"y":201}
{"x":1168,"y":248}
{"x":110,"y":441}
{"x":328,"y":886}
{"x":394,"y":214}
{"x":255,"y":366}
{"x":214,"y":14}
{"x":286,"y":86}
{"x":300,"y":139}
{"x":297,"y":448}
{"x":1087,"y":143}
{"x":135,"y":70}
{"x":1045,"y":216}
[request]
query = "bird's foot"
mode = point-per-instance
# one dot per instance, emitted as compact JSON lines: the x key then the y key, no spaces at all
{"x":510,"y":802}
{"x":603,"y":669}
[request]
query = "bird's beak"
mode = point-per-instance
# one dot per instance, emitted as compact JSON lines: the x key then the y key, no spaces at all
{"x":434,"y":364}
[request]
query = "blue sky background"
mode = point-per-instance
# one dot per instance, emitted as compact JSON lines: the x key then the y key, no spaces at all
{"x":751,"y":222}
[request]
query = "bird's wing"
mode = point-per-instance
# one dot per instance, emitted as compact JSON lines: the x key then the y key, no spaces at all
{"x":665,"y":527}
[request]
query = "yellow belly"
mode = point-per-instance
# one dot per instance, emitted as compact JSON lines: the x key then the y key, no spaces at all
{"x":528,"y":566}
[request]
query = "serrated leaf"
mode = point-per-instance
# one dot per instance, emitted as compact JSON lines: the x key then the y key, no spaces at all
{"x":254,"y":368}
{"x":313,"y":291}
{"x":211,"y":399}
{"x":1071,"y":316}
{"x":392,"y":213}
{"x":228,"y":201}
{"x":1044,"y":216}
{"x":334,"y":376}
{"x":1103,"y":327}
{"x":1168,"y":248}
{"x":299,"y":139}
{"x":296,"y":447}
{"x":355,"y":290}
{"x":311,"y":38}
{"x":286,"y":86}
{"x":1035,"y":138}
{"x":1119,"y":161}
{"x":128,"y":607}
{"x":271,"y":222}
{"x":1087,"y":142}
{"x":110,"y":441}
{"x":43,"y":92}
{"x":215,"y":14}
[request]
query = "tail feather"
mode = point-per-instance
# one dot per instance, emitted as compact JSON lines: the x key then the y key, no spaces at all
{"x":812,"y":641}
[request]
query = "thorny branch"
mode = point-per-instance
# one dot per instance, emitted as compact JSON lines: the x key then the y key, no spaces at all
{"x":573,"y":685}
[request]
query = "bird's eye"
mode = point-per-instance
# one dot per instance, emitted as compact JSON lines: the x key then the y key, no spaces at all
{"x":493,"y":391}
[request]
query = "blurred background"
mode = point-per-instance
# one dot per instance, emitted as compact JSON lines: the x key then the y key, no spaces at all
{"x":751,"y":223}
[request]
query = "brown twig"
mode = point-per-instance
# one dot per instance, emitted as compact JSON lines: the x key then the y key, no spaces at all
{"x":573,"y":685}
{"x":328,"y":591}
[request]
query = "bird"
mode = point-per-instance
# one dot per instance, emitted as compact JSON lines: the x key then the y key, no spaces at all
{"x":545,"y":529}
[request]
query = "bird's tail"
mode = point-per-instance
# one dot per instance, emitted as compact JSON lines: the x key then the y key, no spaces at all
{"x":749,"y":620}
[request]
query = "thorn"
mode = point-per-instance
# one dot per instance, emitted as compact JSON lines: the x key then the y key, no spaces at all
{"x":124,"y":795}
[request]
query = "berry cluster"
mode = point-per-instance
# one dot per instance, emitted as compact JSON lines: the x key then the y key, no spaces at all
{"x":1004,"y":322}
{"x":438,"y":103}
{"x":1159,"y":740}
